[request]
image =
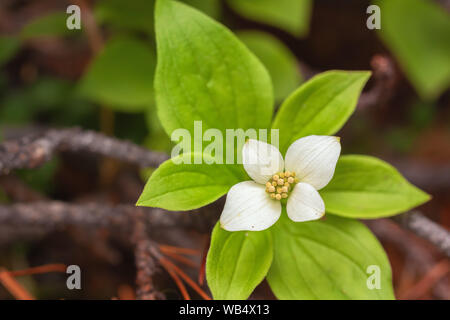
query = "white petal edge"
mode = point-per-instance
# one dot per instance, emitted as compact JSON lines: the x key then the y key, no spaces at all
{"x":261,"y":160}
{"x":304,"y":203}
{"x":313,"y":159}
{"x":249,"y":207}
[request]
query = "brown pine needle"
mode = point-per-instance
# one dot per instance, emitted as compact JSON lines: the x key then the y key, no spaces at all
{"x":174,"y":276}
{"x":186,"y":278}
{"x":40,"y":269}
{"x":201,"y":271}
{"x":179,"y":250}
{"x":125,"y":292}
{"x":179,"y":258}
{"x":438,"y":271}
{"x":14,"y":287}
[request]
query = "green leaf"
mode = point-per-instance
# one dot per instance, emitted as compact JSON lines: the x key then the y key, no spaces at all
{"x":367,"y":187}
{"x":278,"y":60}
{"x":320,"y":106}
{"x":185,"y":186}
{"x":8,"y":47}
{"x":121,"y":76}
{"x":418,"y":34}
{"x":290,"y":15}
{"x":237,"y":262}
{"x":327,"y":259}
{"x":205,"y":73}
{"x":50,"y":25}
{"x":136,"y":15}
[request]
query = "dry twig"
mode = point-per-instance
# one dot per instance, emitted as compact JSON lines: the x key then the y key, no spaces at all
{"x":32,"y":151}
{"x":146,"y":263}
{"x":385,"y":80}
{"x":430,"y":279}
{"x":427,"y":229}
{"x":53,"y":215}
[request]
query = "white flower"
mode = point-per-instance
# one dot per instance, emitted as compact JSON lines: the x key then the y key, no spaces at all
{"x":309,"y":166}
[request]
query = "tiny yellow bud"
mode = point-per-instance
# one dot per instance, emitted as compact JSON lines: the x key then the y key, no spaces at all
{"x":296,"y":180}
{"x":284,"y":195}
{"x":272,"y":195}
{"x":280,"y":182}
{"x":282,"y":175}
{"x":275,"y":177}
{"x":291,"y":180}
{"x":293,"y":174}
{"x":278,"y":196}
{"x":274,"y":183}
{"x":279,"y":190}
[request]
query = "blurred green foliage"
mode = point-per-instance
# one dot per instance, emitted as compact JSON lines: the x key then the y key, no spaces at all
{"x":420,"y":117}
{"x":3,"y":197}
{"x":135,"y":15}
{"x":8,"y":47}
{"x":157,"y":138}
{"x":121,"y":76}
{"x":210,"y":7}
{"x":418,"y":34}
{"x":51,"y":100}
{"x":52,"y":24}
{"x":41,"y":179}
{"x":290,"y":15}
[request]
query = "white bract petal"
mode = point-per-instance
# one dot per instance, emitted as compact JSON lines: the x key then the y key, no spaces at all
{"x":305,"y":203}
{"x":248,"y":207}
{"x":261,"y":160}
{"x":313,"y":159}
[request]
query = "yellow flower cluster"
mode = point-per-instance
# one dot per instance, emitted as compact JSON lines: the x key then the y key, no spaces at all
{"x":280,"y":184}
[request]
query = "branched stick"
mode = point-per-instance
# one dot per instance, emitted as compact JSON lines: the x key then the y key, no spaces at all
{"x":127,"y":219}
{"x":32,"y":151}
{"x":384,"y":75}
{"x":146,"y":263}
{"x":385,"y":80}
{"x":418,"y":257}
{"x":427,"y":229}
{"x":51,"y":215}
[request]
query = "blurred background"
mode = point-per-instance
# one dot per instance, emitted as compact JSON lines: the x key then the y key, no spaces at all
{"x":101,"y":78}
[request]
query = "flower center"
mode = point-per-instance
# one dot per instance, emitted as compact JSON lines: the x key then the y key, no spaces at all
{"x":280,"y":185}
